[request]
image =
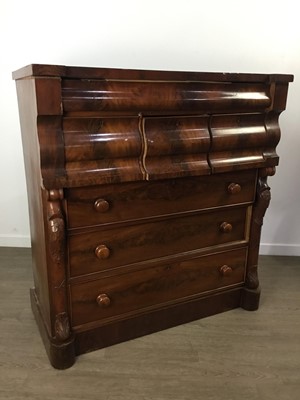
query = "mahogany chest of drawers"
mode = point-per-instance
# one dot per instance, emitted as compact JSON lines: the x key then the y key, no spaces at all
{"x":147,"y":191}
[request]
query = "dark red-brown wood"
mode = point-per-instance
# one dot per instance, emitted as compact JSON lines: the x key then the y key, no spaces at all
{"x":153,"y":287}
{"x":115,"y":73}
{"x":104,"y":204}
{"x":138,"y":242}
{"x":147,"y":192}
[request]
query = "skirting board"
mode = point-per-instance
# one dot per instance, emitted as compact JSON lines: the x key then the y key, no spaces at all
{"x":266,"y":249}
{"x":279,"y":249}
{"x":15,"y":241}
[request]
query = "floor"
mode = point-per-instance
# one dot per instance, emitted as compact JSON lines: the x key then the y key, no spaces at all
{"x":235,"y":355}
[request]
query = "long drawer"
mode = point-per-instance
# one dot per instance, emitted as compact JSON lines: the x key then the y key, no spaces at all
{"x":155,"y":286}
{"x":129,"y":201}
{"x":107,"y":248}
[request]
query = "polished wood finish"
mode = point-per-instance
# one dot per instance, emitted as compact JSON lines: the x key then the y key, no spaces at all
{"x":175,"y":147}
{"x":139,"y":200}
{"x":234,"y":188}
{"x":226,"y":227}
{"x":102,"y":252}
{"x":147,"y":191}
{"x":63,"y":71}
{"x":101,"y":205}
{"x":103,"y":300}
{"x":149,"y":288}
{"x":141,"y":242}
{"x":225,"y":270}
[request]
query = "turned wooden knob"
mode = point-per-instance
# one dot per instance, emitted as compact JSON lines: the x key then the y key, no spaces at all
{"x":234,"y":188}
{"x":101,"y":205}
{"x":103,"y":300}
{"x":225,"y":270}
{"x":102,"y":252}
{"x":225,"y":227}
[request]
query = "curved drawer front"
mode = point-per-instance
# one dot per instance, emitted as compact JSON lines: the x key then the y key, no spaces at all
{"x":176,"y":147}
{"x":102,"y":150}
{"x":243,"y":141}
{"x":155,"y":286}
{"x":103,"y":249}
{"x":104,"y":204}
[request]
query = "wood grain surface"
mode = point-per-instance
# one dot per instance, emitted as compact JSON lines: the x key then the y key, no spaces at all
{"x":143,"y":270}
{"x":137,"y":200}
{"x":141,"y":242}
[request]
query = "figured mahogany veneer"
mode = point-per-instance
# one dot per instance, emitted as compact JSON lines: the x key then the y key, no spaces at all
{"x":139,"y":200}
{"x":146,"y":241}
{"x":147,"y":192}
{"x":152,"y":287}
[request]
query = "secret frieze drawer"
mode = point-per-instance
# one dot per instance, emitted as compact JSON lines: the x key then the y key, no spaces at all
{"x":101,"y":249}
{"x":152,"y":287}
{"x":130,"y":201}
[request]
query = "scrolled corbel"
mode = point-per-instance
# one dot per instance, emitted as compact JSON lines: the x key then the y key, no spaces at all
{"x":250,"y":299}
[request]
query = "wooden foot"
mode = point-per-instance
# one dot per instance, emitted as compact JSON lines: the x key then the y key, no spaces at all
{"x":61,"y":355}
{"x":250,"y":299}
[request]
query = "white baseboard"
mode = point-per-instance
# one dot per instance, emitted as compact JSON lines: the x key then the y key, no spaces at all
{"x":279,"y":249}
{"x":15,"y":241}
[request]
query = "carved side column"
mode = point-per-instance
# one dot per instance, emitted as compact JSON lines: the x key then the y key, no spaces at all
{"x":251,"y":292}
{"x":61,"y":340}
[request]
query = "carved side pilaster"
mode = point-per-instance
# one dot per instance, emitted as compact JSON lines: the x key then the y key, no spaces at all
{"x":56,"y":239}
{"x":62,"y":326}
{"x":263,"y":197}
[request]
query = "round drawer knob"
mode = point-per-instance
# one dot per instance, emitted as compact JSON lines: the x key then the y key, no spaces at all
{"x":234,"y":188}
{"x":103,"y":300}
{"x":226,"y":227}
{"x":101,"y":205}
{"x":225,"y":270}
{"x":102,"y":252}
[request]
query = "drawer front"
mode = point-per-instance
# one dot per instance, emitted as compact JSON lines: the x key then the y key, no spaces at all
{"x":154,"y":286}
{"x":103,"y":249}
{"x":176,"y":146}
{"x":151,"y":97}
{"x":115,"y":203}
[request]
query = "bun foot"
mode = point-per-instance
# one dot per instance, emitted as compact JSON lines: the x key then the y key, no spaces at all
{"x":250,"y":299}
